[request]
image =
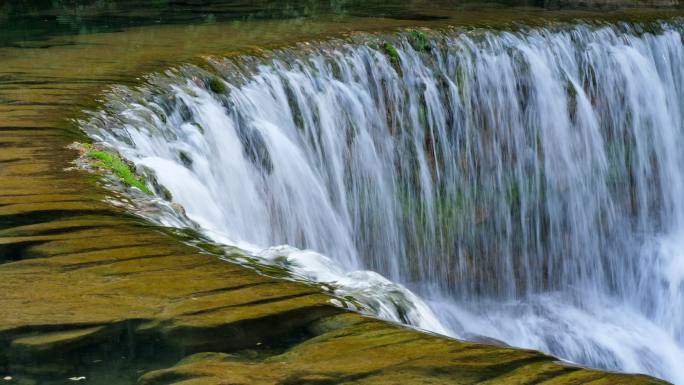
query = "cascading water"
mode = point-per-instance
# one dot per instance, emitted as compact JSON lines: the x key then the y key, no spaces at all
{"x":527,"y":185}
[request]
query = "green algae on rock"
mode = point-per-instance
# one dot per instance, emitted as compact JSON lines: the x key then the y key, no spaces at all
{"x":392,"y":53}
{"x":110,"y":163}
{"x":217,"y":85}
{"x":419,"y":40}
{"x":114,"y":163}
{"x":349,"y":349}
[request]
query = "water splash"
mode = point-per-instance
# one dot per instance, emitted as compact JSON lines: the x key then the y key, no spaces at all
{"x":528,"y":184}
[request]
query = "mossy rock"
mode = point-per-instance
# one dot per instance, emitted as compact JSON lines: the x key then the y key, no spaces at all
{"x":217,"y":85}
{"x":419,"y":40}
{"x":114,"y":164}
{"x":351,"y":349}
{"x":392,"y":52}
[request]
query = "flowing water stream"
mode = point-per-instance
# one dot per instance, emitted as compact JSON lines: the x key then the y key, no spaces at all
{"x":527,"y":186}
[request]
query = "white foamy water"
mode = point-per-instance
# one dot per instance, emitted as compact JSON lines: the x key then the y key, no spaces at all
{"x":527,"y":186}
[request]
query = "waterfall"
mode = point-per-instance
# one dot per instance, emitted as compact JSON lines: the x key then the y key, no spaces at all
{"x":526,"y":185}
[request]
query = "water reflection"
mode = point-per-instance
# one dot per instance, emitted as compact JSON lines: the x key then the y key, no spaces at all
{"x":38,"y":19}
{"x":33,"y":19}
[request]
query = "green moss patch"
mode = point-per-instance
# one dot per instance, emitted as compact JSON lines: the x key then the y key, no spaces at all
{"x":392,"y":53}
{"x":113,"y":163}
{"x":217,"y":85}
{"x":419,"y":41}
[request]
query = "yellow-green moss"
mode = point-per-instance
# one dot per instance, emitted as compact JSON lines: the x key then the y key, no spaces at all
{"x":117,"y":166}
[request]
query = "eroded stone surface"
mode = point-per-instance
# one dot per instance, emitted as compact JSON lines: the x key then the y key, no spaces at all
{"x":356,"y":350}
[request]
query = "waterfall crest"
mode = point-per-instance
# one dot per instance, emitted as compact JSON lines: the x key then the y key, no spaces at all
{"x":528,"y":185}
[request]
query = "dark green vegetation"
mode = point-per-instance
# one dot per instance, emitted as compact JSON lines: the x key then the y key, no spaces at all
{"x":419,"y":40}
{"x":392,"y":53}
{"x":217,"y":85}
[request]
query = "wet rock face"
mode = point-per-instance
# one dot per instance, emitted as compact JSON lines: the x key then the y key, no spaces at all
{"x":103,"y":297}
{"x":351,"y":349}
{"x":98,"y":294}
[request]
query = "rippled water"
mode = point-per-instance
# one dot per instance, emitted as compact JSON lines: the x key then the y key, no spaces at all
{"x":527,"y":186}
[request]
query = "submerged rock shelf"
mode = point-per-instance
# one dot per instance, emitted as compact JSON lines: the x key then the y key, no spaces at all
{"x":88,"y":291}
{"x":91,"y":293}
{"x":95,"y":291}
